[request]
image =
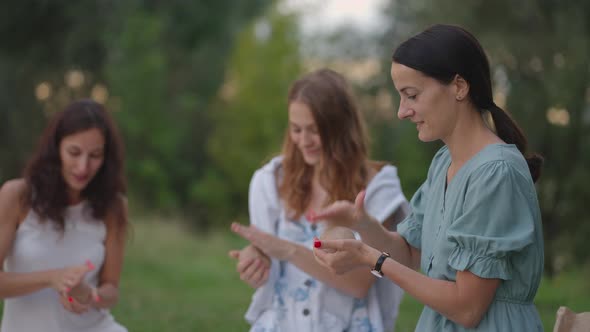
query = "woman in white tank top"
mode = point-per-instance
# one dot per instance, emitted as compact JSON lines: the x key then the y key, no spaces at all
{"x":63,"y":226}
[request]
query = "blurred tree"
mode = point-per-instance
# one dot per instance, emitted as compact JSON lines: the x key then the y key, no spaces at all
{"x":250,"y":114}
{"x":166,"y":64}
{"x":42,"y":41}
{"x":157,"y":64}
{"x":540,"y":57}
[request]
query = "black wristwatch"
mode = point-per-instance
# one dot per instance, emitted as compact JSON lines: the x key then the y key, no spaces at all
{"x":377,"y":269}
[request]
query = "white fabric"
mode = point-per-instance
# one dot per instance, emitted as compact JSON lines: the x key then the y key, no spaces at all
{"x":39,"y":246}
{"x":333,"y":308}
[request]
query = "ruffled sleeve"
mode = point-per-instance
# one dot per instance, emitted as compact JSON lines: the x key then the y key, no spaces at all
{"x":497,"y":221}
{"x":384,"y":194}
{"x":411,"y":228}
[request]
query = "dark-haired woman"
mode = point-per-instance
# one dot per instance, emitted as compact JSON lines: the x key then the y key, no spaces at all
{"x":475,"y":227}
{"x":63,"y":226}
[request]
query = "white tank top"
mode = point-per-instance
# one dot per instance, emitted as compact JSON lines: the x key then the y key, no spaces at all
{"x":40,"y":246}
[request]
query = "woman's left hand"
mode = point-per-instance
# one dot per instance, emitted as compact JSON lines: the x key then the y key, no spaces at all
{"x":341,"y":256}
{"x":343,"y":213}
{"x":267,"y":243}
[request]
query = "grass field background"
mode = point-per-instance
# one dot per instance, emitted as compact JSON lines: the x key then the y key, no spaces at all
{"x":175,"y":280}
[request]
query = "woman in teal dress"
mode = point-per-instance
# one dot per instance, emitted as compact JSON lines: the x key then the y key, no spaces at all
{"x":475,"y":227}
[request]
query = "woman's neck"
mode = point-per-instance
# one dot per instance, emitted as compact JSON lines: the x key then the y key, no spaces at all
{"x":469,"y":136}
{"x":318,"y":193}
{"x":74,"y":197}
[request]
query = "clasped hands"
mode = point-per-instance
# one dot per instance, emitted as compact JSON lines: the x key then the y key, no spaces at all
{"x":74,"y":293}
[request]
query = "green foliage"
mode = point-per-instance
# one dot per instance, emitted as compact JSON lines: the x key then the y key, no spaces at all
{"x":250,"y":115}
{"x":41,"y":40}
{"x":165,"y":68}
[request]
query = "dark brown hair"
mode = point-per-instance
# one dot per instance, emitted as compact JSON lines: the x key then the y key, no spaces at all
{"x":444,"y":51}
{"x":46,"y":189}
{"x":344,"y":165}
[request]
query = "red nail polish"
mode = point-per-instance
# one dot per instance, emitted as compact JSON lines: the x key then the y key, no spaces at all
{"x":70,"y":299}
{"x":90,"y":265}
{"x":317,"y":243}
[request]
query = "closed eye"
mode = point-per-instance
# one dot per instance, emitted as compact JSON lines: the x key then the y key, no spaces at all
{"x":74,"y":153}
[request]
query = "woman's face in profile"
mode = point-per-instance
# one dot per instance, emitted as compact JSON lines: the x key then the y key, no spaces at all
{"x":304,"y":132}
{"x":82,"y":155}
{"x":424,"y":101}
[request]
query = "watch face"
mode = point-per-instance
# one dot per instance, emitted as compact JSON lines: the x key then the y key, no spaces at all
{"x":377,"y":273}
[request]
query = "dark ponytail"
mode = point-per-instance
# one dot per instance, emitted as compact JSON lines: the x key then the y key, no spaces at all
{"x":444,"y":51}
{"x":509,"y":131}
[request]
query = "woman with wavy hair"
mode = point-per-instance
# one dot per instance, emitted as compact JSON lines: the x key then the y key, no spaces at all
{"x":324,"y":159}
{"x":63,"y":227}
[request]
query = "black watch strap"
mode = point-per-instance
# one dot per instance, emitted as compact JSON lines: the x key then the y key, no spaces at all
{"x":376,"y":271}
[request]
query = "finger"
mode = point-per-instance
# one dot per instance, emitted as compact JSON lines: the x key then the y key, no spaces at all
{"x":89,"y":265}
{"x":241,"y":230}
{"x":331,"y":244}
{"x":82,"y":268}
{"x":235,"y":254}
{"x":245,"y":264}
{"x":329,"y":212}
{"x":252,"y":270}
{"x":69,"y":284}
{"x":95,"y":295}
{"x":359,"y":202}
{"x":330,"y":260}
{"x":265,"y":263}
{"x":64,"y":302}
{"x":258,"y":276}
{"x":251,"y":233}
{"x":79,"y":308}
{"x":322,"y":257}
{"x":67,"y":303}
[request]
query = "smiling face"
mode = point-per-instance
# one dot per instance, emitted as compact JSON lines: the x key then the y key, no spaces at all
{"x":82,"y":155}
{"x":304,"y":133}
{"x":426,"y":102}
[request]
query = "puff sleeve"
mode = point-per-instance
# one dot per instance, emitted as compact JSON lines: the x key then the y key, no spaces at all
{"x":497,"y":221}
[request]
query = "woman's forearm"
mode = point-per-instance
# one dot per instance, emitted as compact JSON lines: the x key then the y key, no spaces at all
{"x":464,"y":301}
{"x":378,"y":237}
{"x":108,"y":296}
{"x":18,"y":284}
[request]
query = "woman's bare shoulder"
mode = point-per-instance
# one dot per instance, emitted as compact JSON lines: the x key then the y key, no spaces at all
{"x":12,"y":197}
{"x":13,"y":190}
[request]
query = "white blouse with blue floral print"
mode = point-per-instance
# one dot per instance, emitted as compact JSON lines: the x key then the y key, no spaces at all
{"x":292,"y":300}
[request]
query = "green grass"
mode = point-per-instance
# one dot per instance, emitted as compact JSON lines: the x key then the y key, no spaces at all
{"x":174,"y":280}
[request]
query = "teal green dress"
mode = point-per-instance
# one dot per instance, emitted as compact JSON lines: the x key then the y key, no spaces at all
{"x":488,"y":222}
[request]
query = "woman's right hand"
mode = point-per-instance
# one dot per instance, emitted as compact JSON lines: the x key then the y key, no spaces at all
{"x":72,"y":305}
{"x":63,"y":280}
{"x":253,"y":266}
{"x":343,"y":213}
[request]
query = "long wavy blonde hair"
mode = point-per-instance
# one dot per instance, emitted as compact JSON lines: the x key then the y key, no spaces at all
{"x":344,"y":163}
